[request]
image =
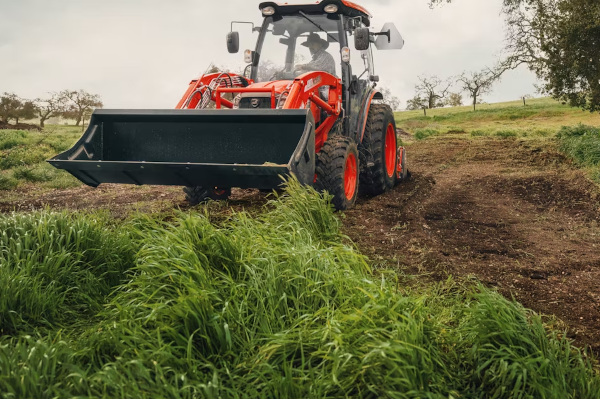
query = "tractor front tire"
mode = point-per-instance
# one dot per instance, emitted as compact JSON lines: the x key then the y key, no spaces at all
{"x":338,"y":171}
{"x":200,"y":194}
{"x":379,"y":151}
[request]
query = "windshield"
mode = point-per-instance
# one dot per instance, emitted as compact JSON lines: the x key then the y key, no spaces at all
{"x":293,"y":45}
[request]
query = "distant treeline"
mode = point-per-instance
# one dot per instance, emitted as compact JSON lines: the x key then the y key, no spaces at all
{"x":70,"y":104}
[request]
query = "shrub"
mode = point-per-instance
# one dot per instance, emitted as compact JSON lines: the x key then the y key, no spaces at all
{"x":10,"y":139}
{"x":581,"y":143}
{"x":421,"y":134}
{"x":7,"y":182}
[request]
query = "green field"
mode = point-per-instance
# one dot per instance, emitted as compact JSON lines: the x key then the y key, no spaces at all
{"x":540,"y":118}
{"x":574,"y":132}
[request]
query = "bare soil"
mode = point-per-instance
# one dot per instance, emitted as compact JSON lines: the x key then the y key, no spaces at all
{"x":515,"y":214}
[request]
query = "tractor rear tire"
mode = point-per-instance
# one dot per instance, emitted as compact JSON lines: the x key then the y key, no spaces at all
{"x":379,"y":151}
{"x":338,"y":171}
{"x":200,"y":194}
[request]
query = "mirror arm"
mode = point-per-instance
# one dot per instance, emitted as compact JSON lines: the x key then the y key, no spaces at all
{"x":254,"y":29}
{"x":388,"y":34}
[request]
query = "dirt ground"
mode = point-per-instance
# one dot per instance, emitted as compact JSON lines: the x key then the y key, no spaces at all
{"x":512,"y":213}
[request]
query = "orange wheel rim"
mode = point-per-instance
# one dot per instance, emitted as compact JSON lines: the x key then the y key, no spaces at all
{"x":350,"y":177}
{"x":390,"y":150}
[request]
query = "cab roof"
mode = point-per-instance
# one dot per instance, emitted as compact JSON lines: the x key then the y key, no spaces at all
{"x":345,"y":7}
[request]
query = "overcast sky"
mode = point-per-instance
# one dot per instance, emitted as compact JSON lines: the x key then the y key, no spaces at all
{"x":143,"y":53}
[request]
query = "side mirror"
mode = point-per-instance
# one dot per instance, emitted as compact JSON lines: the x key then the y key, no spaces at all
{"x":389,"y":38}
{"x":233,"y":42}
{"x":362,"y":38}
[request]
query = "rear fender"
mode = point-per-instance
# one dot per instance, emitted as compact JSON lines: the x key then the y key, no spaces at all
{"x":364,"y":114}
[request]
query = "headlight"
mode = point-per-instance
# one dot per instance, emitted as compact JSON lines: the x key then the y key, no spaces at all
{"x":331,"y":9}
{"x":346,"y":54}
{"x":248,"y":59}
{"x":267,"y":11}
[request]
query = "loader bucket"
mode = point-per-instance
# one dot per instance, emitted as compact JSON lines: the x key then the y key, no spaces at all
{"x":215,"y":148}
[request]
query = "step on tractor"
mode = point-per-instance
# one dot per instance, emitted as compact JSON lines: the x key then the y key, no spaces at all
{"x":306,"y":105}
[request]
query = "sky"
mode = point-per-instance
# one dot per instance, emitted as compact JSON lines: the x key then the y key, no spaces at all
{"x":143,"y":53}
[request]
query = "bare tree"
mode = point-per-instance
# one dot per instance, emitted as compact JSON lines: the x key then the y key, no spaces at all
{"x":81,"y":104}
{"x":479,"y":83}
{"x":390,"y":99}
{"x":433,"y":90}
{"x":50,"y":107}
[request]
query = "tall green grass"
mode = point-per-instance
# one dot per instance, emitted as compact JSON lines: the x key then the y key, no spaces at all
{"x":582,"y":143}
{"x":56,"y":268}
{"x":280,"y":305}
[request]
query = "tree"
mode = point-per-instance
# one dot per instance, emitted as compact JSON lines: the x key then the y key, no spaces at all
{"x":571,"y":70}
{"x":81,"y":104}
{"x":50,"y":107}
{"x":432,"y":90}
{"x":390,"y":99}
{"x":479,"y":83}
{"x":417,"y":103}
{"x":13,"y":107}
{"x":454,"y":100}
{"x":10,"y":104}
{"x":25,"y":111}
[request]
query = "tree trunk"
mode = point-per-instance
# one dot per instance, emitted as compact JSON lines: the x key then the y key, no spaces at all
{"x":78,"y":120}
{"x":17,"y":121}
{"x":474,"y":103}
{"x":425,"y":111}
{"x":42,"y":120}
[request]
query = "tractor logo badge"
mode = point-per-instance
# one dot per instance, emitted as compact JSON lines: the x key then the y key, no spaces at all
{"x":255,"y":103}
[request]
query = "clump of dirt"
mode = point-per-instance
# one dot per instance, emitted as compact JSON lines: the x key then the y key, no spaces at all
{"x":22,"y":127}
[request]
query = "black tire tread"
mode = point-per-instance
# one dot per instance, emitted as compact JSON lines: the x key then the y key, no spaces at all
{"x":373,"y":176}
{"x":330,"y":169}
{"x":199,"y":194}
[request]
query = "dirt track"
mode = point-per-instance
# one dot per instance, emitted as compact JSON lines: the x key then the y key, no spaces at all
{"x":513,"y":214}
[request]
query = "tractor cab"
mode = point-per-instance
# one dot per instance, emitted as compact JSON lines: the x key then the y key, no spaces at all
{"x":285,"y":51}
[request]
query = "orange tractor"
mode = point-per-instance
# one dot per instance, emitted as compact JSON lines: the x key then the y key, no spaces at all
{"x":305,"y":105}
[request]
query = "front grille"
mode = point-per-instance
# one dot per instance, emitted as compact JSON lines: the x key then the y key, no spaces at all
{"x":255,"y":102}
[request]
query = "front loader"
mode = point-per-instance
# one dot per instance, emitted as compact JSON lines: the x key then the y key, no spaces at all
{"x":283,"y":116}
